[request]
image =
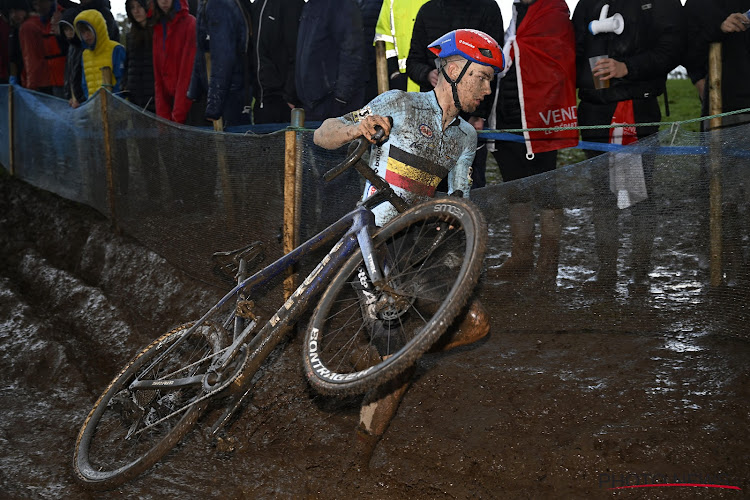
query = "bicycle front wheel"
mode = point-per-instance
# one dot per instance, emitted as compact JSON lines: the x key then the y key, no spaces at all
{"x":362,"y":334}
{"x":127,"y":431}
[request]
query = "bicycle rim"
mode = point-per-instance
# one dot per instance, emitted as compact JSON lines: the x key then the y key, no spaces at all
{"x":128,"y":431}
{"x":357,"y":341}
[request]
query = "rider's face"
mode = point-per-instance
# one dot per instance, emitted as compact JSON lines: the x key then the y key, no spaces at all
{"x":474,"y":86}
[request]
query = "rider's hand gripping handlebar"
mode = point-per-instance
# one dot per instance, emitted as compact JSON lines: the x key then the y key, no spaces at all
{"x":356,"y":150}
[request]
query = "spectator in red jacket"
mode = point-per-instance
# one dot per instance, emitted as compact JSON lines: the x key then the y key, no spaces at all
{"x":174,"y":52}
{"x":43,"y":59}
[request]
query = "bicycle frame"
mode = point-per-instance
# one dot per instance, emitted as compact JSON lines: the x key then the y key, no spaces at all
{"x":352,"y":230}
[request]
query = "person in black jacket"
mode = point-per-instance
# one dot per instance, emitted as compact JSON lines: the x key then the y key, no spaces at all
{"x":441,"y":16}
{"x":275,"y":24}
{"x":639,"y":60}
{"x":329,"y":71}
{"x":370,"y":12}
{"x":103,"y":6}
{"x":725,"y":22}
{"x":138,"y":81}
{"x":18,"y":12}
{"x":223,"y":36}
{"x":73,"y":87}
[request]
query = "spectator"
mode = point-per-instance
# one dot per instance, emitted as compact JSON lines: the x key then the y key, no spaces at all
{"x":275,"y":24}
{"x":18,"y":13}
{"x":4,"y":37}
{"x":43,"y":60}
{"x":540,"y":35}
{"x":174,"y":47}
{"x":370,"y":10}
{"x":724,"y":22}
{"x":73,"y":89}
{"x":329,"y":71}
{"x":223,"y":38}
{"x":98,"y":52}
{"x":440,"y":16}
{"x":103,"y":6}
{"x":639,"y":60}
{"x":394,"y":27}
{"x":138,"y":80}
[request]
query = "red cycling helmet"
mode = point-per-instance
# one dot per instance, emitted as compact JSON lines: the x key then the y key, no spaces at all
{"x":474,"y":45}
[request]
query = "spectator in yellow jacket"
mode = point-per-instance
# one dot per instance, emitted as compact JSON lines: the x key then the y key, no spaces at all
{"x":99,"y":52}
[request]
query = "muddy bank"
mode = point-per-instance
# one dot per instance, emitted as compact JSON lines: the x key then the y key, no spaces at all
{"x":561,"y":401}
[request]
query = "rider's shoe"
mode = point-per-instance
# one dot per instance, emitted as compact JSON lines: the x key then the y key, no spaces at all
{"x":474,"y":324}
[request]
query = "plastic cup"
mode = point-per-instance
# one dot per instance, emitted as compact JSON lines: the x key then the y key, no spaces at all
{"x":598,"y":84}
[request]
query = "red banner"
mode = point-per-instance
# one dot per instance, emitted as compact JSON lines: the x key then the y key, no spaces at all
{"x":546,"y":68}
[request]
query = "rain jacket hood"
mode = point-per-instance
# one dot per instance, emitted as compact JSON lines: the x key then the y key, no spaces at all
{"x":147,"y":6}
{"x":101,"y":53}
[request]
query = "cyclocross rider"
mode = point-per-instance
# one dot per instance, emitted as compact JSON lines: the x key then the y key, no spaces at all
{"x":428,"y":142}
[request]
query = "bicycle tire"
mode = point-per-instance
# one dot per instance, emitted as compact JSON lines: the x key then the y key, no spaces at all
{"x":427,"y":299}
{"x":111,"y":448}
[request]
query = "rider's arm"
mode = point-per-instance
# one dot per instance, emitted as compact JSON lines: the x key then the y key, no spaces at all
{"x":335,"y":132}
{"x":459,"y":178}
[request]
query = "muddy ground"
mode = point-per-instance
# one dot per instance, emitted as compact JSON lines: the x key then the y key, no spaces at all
{"x":567,"y":398}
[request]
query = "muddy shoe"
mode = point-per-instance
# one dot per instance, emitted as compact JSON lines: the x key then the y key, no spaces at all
{"x":473,"y":325}
{"x":364,"y":446}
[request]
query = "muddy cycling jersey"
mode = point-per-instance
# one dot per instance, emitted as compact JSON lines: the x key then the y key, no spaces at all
{"x":418,"y":153}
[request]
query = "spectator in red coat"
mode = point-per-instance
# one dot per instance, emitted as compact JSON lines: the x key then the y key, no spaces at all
{"x":174,"y":52}
{"x":43,"y":59}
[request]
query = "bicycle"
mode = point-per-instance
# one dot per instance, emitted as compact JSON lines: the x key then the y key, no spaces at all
{"x":387,"y":295}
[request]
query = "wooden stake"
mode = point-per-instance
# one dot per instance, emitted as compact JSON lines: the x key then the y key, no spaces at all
{"x":221,"y":153}
{"x":108,"y":159}
{"x":381,"y":67}
{"x":714,"y":107}
{"x":292,"y":195}
{"x":11,"y":147}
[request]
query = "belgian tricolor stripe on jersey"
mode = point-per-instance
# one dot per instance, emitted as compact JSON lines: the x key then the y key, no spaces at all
{"x":413,"y":173}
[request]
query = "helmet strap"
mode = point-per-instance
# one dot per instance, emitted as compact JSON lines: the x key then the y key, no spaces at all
{"x":454,"y":84}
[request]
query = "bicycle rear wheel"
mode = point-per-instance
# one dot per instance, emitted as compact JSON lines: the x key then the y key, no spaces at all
{"x":127,"y":431}
{"x":432,"y":257}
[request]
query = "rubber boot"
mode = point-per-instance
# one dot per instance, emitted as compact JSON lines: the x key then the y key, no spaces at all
{"x":645,"y":220}
{"x":472,"y":324}
{"x":606,"y":233}
{"x":521,"y":261}
{"x":378,"y":408}
{"x":545,"y":273}
{"x":732,"y":259}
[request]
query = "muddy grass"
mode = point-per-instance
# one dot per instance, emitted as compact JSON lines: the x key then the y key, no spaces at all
{"x":569,"y":396}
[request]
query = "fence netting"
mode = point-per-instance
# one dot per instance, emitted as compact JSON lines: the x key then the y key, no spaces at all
{"x":188,"y":192}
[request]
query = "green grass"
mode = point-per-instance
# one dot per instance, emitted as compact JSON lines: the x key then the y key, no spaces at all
{"x":683,"y":105}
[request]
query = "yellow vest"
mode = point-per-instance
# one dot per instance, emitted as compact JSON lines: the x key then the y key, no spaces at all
{"x":101,"y":55}
{"x":395,"y":25}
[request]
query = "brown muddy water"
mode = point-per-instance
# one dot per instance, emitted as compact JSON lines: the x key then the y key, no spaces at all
{"x":570,"y":395}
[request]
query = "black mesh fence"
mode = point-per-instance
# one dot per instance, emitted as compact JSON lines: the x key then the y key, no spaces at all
{"x":669,"y":214}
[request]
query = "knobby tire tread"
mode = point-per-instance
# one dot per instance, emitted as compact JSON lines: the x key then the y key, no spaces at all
{"x":186,"y":423}
{"x":413,"y":351}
